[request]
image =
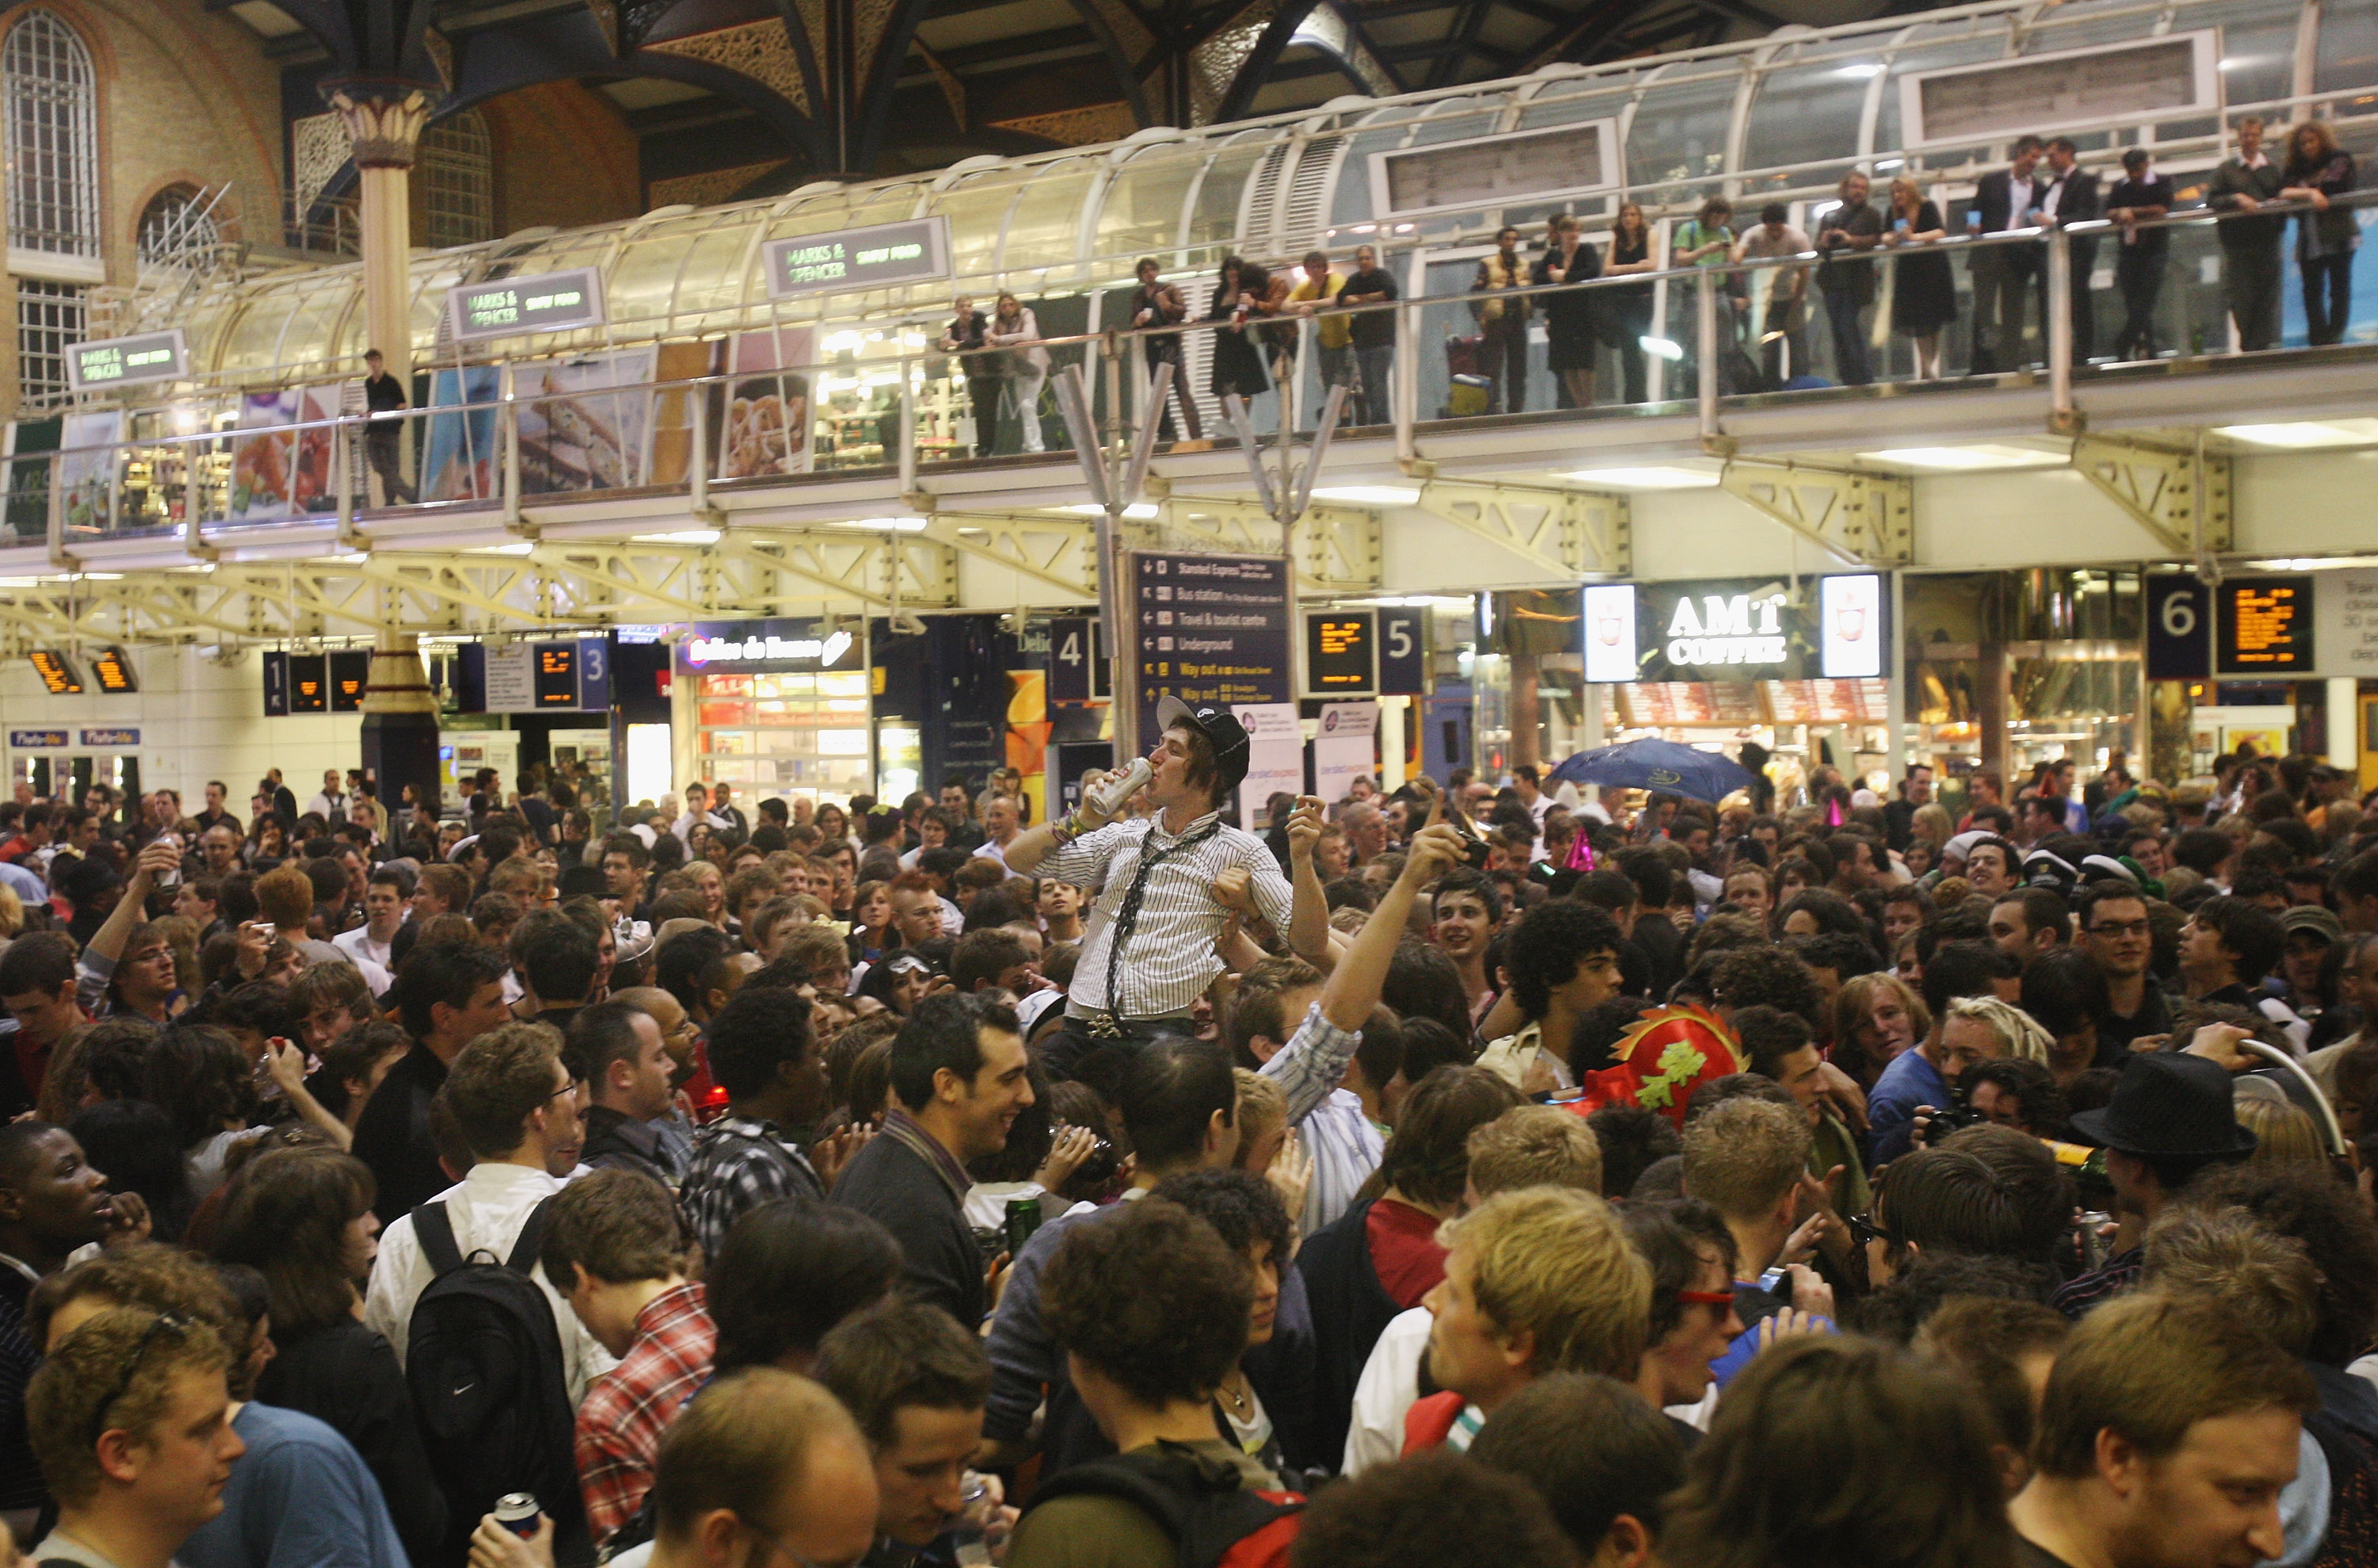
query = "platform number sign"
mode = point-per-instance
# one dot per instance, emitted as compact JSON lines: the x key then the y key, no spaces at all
{"x":1077,"y":670}
{"x":2180,"y":629}
{"x":1403,"y":653}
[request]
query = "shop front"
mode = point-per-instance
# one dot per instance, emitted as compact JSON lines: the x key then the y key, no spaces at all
{"x":1798,"y":665}
{"x":777,"y":707}
{"x":2008,"y":669}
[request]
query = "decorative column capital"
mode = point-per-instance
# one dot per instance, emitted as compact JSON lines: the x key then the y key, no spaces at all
{"x":384,"y":119}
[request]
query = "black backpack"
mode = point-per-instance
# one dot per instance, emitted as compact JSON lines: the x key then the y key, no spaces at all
{"x":482,"y":1360}
{"x":1212,"y":1519}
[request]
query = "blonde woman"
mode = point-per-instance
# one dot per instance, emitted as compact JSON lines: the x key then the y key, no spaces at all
{"x":1924,"y":295}
{"x":1015,"y":329}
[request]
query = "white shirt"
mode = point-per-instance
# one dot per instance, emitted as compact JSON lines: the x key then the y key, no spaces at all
{"x":330,"y":808}
{"x":488,"y":1209}
{"x":989,"y":851}
{"x":683,"y":825}
{"x":374,"y":958}
{"x":1345,"y":1148}
{"x":1169,"y":959}
{"x":1388,"y":1387}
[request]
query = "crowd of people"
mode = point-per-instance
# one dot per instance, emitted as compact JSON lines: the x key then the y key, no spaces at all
{"x":1466,"y":1174}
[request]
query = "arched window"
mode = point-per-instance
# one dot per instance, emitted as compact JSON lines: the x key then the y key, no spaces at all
{"x":457,"y":182}
{"x":46,"y":77}
{"x":179,"y":226}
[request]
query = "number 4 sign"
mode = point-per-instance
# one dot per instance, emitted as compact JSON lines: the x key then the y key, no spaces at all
{"x":1076,"y":660}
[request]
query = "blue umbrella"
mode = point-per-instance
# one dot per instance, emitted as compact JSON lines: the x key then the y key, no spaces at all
{"x":1657,"y":765}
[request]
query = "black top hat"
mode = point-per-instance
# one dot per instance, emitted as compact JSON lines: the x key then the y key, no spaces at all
{"x":1222,"y":731}
{"x":2168,"y":1106}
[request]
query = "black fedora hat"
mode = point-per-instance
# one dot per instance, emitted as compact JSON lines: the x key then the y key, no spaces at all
{"x":2168,"y":1105}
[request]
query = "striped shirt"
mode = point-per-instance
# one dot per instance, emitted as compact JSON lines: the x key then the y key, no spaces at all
{"x":1345,"y":1148}
{"x":1170,"y":958}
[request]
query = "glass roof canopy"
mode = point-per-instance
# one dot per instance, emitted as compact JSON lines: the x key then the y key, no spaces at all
{"x":1782,"y":117}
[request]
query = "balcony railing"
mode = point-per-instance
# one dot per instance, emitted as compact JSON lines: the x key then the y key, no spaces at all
{"x":510,"y":434}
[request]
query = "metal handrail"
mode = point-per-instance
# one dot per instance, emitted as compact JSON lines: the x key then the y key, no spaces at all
{"x":1083,"y":272}
{"x":2186,"y":219}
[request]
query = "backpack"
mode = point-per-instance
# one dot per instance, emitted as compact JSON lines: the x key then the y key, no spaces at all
{"x":483,"y":1362}
{"x":1213,"y":1520}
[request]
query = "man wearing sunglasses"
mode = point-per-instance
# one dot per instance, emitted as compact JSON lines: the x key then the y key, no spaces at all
{"x":131,"y":1422}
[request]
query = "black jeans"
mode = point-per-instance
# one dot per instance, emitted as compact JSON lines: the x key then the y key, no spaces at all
{"x":1843,"y":310}
{"x":384,"y":448}
{"x":2334,"y":276}
{"x":2138,"y":272}
{"x":1502,"y":359}
{"x":2250,"y":280}
{"x":983,"y":394}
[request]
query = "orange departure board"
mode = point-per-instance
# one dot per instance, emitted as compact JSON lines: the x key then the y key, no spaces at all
{"x":114,"y":668}
{"x":57,"y":673}
{"x":2263,"y":626}
{"x":1341,"y":652}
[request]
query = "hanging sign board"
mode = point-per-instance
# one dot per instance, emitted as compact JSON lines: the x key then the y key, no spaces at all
{"x":2263,"y":626}
{"x":1341,"y":650}
{"x":909,"y":252}
{"x":127,"y":362}
{"x":543,"y":301}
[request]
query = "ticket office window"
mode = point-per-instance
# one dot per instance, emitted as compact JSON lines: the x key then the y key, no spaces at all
{"x":786,"y":734}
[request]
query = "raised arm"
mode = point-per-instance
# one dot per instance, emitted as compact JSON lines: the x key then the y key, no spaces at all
{"x":1362,"y":972}
{"x":107,"y":941}
{"x":1308,"y":919}
{"x":1037,"y":844}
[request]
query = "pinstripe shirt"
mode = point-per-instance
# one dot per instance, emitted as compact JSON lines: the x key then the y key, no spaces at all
{"x":1170,"y":958}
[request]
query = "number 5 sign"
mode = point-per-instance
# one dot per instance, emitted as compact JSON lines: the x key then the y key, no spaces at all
{"x":2180,"y":629}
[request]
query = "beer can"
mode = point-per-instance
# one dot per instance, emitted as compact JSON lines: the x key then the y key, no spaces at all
{"x":1022,"y":1218}
{"x":517,"y":1512}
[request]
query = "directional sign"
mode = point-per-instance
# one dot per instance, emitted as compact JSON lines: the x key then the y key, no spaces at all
{"x":113,"y":667}
{"x":886,"y":254}
{"x":125,"y":362}
{"x":543,"y":301}
{"x":1213,"y":629}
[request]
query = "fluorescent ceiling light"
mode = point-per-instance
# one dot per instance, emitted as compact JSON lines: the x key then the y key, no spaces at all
{"x":1369,"y":495}
{"x":2304,"y":433}
{"x":517,"y":547}
{"x":680,"y":537}
{"x":1138,"y":511}
{"x":890,"y":525}
{"x":1860,"y":72}
{"x":1960,"y":459}
{"x":1662,"y":348}
{"x":2312,"y":563}
{"x":1645,"y":479}
{"x":22,"y":582}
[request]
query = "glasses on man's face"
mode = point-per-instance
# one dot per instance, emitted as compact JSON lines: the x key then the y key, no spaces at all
{"x":1863,"y":1229}
{"x":175,"y":1324}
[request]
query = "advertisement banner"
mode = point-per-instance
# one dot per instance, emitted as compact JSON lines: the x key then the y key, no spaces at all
{"x":459,"y":461}
{"x":1344,"y":749}
{"x":1275,"y":758}
{"x":576,"y":432}
{"x":87,"y":476}
{"x":766,"y":429}
{"x":261,"y":462}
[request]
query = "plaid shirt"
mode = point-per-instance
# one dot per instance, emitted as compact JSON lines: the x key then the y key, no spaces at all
{"x":619,"y":1423}
{"x":739,"y":1163}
